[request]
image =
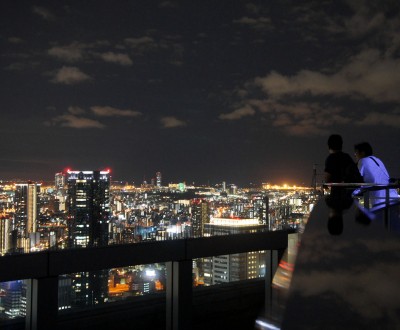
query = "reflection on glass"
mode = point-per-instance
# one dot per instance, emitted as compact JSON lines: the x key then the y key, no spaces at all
{"x":13,"y":299}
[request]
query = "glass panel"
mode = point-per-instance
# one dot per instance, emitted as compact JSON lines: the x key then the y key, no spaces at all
{"x":95,"y":288}
{"x":229,"y":268}
{"x":12,"y":302}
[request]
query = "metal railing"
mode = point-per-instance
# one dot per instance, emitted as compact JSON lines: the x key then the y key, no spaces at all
{"x":362,"y":192}
{"x":42,"y":270}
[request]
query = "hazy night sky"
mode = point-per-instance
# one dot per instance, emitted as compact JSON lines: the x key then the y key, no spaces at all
{"x":203,"y":91}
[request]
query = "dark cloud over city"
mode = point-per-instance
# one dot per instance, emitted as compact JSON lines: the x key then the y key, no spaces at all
{"x":203,"y":91}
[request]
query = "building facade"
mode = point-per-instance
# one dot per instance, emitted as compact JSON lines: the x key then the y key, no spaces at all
{"x":89,"y":217}
{"x":26,"y":216}
{"x":234,"y":267}
{"x":88,"y":207}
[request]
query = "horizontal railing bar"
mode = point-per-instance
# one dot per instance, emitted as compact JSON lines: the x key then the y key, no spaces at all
{"x":57,"y":262}
{"x":364,"y":186}
{"x":23,"y":266}
{"x":231,"y":244}
{"x":114,"y":256}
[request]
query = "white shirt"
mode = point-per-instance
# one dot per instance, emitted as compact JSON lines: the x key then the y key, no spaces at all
{"x":374,"y":171}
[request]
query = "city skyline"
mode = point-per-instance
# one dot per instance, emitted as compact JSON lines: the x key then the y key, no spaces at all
{"x":235,"y":91}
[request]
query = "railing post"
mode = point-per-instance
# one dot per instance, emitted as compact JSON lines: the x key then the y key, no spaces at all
{"x":366,"y":199}
{"x":271,"y":265}
{"x":42,"y":303}
{"x":179,"y":295}
{"x":386,"y":210}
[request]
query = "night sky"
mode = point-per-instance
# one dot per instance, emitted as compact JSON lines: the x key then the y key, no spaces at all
{"x":202,"y":91}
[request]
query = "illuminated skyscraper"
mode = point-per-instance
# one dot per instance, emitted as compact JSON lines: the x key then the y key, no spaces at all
{"x":158,"y":178}
{"x":200,"y":215}
{"x":5,"y":225}
{"x":238,"y":266}
{"x":88,"y":207}
{"x":13,"y":300}
{"x":26,"y":214}
{"x":261,"y":209}
{"x":89,"y":212}
{"x":59,"y":181}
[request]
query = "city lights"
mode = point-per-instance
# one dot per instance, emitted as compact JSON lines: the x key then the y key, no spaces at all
{"x":86,"y":208}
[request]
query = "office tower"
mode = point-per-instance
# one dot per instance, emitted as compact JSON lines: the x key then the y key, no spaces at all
{"x":64,"y":292}
{"x":238,"y":266}
{"x":200,"y":210}
{"x":223,"y":186}
{"x":261,"y":209}
{"x":88,"y":207}
{"x":5,"y":225}
{"x":26,"y":214}
{"x":233,"y":189}
{"x":158,"y":178}
{"x":12,"y":298}
{"x":89,"y":212}
{"x":59,"y":181}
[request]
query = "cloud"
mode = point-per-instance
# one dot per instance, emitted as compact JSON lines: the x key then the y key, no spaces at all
{"x":378,"y":118}
{"x":171,"y":122}
{"x":238,"y":113}
{"x":70,"y":53}
{"x":73,"y":121}
{"x":118,"y":58}
{"x":70,"y":75}
{"x":311,"y":101}
{"x":77,"y":117}
{"x":168,"y":47}
{"x":368,"y":74}
{"x":16,"y":67}
{"x":76,"y":110}
{"x":44,"y":13}
{"x":257,"y":23}
{"x":143,"y":42}
{"x":106,"y":111}
{"x":74,"y":118}
{"x":15,"y":40}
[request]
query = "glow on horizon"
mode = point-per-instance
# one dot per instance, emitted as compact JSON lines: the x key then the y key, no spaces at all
{"x":284,"y":186}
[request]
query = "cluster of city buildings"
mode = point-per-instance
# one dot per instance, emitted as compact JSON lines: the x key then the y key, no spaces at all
{"x":86,"y":209}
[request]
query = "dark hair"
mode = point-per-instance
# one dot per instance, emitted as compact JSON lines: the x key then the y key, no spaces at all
{"x":335,"y":142}
{"x":364,"y":147}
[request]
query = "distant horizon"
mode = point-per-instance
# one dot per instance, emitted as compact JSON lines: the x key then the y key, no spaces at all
{"x":164,"y":184}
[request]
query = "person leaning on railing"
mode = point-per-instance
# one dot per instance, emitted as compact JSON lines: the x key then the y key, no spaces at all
{"x":373,"y":171}
{"x":340,"y":168}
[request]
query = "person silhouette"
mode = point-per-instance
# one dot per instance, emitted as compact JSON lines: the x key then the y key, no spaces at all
{"x":373,"y":171}
{"x":340,"y":168}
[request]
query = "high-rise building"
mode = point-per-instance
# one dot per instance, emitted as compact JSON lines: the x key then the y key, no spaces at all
{"x":89,"y":213}
{"x":14,"y":298}
{"x":238,"y":266}
{"x":200,"y":210}
{"x":26,"y":214}
{"x":88,"y":207}
{"x":261,"y":209}
{"x":60,"y":181}
{"x":5,"y":225}
{"x":158,"y":178}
